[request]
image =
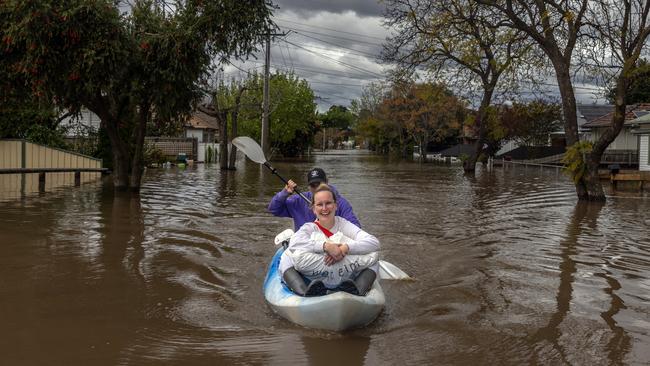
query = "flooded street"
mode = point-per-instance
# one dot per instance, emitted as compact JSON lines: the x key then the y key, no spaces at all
{"x":509,"y":269}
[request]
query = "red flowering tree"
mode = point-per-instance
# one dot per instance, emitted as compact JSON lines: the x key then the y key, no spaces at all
{"x":130,"y":66}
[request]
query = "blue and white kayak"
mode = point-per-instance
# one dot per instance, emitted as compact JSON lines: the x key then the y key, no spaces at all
{"x":336,"y":311}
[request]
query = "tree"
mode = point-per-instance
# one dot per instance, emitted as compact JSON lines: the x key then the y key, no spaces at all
{"x":429,"y":112}
{"x":639,"y":87}
{"x":557,"y":27}
{"x":25,"y":116}
{"x":455,"y":39}
{"x":292,"y":112}
{"x":338,"y":116}
{"x":530,"y":124}
{"x":224,"y":107}
{"x":130,"y":68}
{"x":336,"y":124}
{"x":366,"y":109}
{"x":623,"y":32}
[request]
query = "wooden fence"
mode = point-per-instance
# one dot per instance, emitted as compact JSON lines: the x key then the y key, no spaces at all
{"x":172,"y":146}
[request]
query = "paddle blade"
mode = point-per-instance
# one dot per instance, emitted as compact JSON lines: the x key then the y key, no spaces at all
{"x":250,"y":148}
{"x":389,"y":271}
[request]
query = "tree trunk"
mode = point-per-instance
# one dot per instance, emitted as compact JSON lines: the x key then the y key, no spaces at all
{"x":233,"y":148}
{"x":223,"y":144}
{"x":120,"y":153}
{"x":233,"y":129}
{"x":595,"y":191}
{"x":469,"y":165}
{"x":137,"y":168}
{"x":569,"y":111}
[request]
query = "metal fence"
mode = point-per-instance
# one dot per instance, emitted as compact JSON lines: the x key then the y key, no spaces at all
{"x":25,"y":165}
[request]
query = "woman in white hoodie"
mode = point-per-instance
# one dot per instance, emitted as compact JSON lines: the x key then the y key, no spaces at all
{"x":331,"y":252}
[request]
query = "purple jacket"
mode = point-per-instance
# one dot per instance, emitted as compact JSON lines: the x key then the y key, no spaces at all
{"x":285,"y":205}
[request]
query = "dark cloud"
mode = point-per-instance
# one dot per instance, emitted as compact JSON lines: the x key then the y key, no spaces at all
{"x":309,"y":7}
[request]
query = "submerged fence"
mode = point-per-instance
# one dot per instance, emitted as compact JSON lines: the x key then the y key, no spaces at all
{"x":26,"y":167}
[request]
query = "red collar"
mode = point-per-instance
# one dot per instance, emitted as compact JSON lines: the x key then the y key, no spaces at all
{"x":323,"y":229}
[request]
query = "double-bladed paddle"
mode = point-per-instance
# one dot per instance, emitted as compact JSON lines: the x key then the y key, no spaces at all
{"x":250,"y":148}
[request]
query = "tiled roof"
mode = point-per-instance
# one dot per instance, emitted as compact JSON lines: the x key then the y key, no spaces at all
{"x":592,"y":111}
{"x":202,"y":120}
{"x":633,"y":112}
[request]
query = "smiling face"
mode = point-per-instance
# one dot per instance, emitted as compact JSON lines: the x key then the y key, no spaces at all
{"x":324,"y":206}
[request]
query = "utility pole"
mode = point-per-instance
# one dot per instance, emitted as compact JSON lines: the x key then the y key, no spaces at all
{"x":265,"y":105}
{"x":266,"y":130}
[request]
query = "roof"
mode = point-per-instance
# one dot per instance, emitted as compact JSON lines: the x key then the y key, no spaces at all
{"x":203,"y":121}
{"x":592,"y":111}
{"x":632,"y":113}
{"x":458,"y":150}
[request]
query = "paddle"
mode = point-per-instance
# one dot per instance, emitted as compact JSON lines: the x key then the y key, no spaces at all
{"x":250,"y":148}
{"x":254,"y":152}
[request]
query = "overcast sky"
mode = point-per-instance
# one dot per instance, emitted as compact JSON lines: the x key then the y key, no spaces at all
{"x":335,"y":45}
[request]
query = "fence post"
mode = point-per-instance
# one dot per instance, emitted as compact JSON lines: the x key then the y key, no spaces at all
{"x":23,"y":164}
{"x":41,"y":182}
{"x":77,"y":178}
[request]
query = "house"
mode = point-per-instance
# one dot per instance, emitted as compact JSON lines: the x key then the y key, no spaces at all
{"x":590,"y":112}
{"x":641,"y":129}
{"x":202,"y":126}
{"x":625,"y":148}
{"x":625,"y":140}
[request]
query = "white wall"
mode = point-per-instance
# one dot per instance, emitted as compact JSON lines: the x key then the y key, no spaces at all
{"x":624,"y":141}
{"x":644,"y":152}
{"x":508,"y":146}
{"x":86,"y":118}
{"x":202,"y":151}
{"x":195,"y":133}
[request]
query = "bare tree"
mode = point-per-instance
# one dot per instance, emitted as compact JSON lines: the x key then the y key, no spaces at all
{"x":556,"y":27}
{"x":619,"y":31}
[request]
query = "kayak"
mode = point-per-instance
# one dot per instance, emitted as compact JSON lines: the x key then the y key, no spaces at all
{"x":335,"y":311}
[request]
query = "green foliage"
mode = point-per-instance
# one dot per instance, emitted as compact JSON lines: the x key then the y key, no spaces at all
{"x":338,"y":117}
{"x":26,"y":116}
{"x":130,"y":68}
{"x":574,"y":160}
{"x":210,"y":155}
{"x":153,"y":155}
{"x":292,"y":112}
{"x":638,"y":90}
{"x":418,"y":112}
{"x":529,"y":124}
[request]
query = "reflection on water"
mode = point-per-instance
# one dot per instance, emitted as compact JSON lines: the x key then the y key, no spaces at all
{"x":510,"y":269}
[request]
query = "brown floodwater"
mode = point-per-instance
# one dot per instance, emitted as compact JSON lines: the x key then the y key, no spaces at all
{"x":509,"y":269}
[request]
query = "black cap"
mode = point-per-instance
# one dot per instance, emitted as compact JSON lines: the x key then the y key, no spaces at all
{"x":316,"y":175}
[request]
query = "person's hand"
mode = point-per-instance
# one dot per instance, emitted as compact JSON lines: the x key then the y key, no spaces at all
{"x":345,"y":249}
{"x":290,"y":186}
{"x":334,"y":252}
{"x":329,"y":260}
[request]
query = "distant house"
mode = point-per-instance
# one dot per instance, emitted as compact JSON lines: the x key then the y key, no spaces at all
{"x":626,"y":139}
{"x":641,"y":129}
{"x":82,"y":124}
{"x":627,"y":147}
{"x":591,"y":112}
{"x":202,"y":126}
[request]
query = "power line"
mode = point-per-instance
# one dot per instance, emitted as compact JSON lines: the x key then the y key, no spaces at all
{"x":335,"y":60}
{"x":361,"y":53}
{"x":332,"y":36}
{"x":327,"y":72}
{"x":330,"y":29}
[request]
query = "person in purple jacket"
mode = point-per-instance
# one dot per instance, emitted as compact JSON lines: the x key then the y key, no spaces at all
{"x":287,"y":204}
